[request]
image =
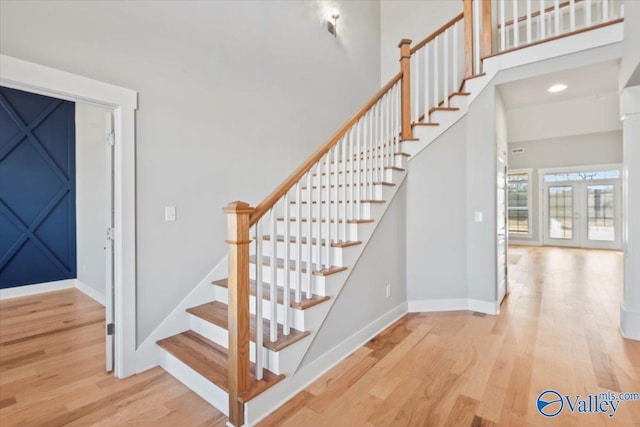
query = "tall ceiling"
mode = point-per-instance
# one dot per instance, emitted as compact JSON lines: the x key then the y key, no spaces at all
{"x":594,"y":79}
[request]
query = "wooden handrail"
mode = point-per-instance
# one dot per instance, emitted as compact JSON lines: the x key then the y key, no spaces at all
{"x":273,"y":198}
{"x":439,"y":31}
{"x":537,"y":13}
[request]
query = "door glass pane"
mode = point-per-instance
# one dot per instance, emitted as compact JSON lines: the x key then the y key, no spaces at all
{"x":561,"y":212}
{"x":600,"y":212}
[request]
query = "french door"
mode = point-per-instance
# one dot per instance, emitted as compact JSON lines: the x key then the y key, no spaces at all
{"x":583,"y":214}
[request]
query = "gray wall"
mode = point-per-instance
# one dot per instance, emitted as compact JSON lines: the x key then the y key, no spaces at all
{"x":630,"y":64}
{"x":481,"y":197}
{"x":363,"y":298}
{"x":91,"y":196}
{"x":233,"y":97}
{"x":436,"y":214}
{"x":578,"y":150}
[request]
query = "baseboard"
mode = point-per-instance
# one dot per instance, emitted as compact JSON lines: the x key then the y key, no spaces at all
{"x":307,"y":374}
{"x":630,"y":323}
{"x":457,"y":304}
{"x":524,"y":242}
{"x":90,"y":292}
{"x":38,"y":288}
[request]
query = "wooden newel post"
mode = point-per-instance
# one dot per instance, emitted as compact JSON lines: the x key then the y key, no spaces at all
{"x":405,"y":68}
{"x":238,"y":215}
{"x":487,"y":29}
{"x":468,"y":37}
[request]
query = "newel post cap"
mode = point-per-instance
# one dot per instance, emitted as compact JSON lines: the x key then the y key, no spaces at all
{"x":238,"y":207}
{"x":404,"y":41}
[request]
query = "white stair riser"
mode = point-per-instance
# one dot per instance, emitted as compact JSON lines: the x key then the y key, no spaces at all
{"x":220,"y":336}
{"x":336,"y":230}
{"x":318,"y":281}
{"x":335,"y":210}
{"x":336,"y":253}
{"x":204,"y":388}
{"x":367,"y":192}
{"x":297,"y":317}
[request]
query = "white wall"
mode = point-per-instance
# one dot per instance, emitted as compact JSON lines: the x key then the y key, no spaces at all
{"x":578,"y":116}
{"x":225,"y":88}
{"x":577,"y":150}
{"x":436,"y":213}
{"x":91,"y":201}
{"x":363,"y":298}
{"x":630,"y":64}
{"x":409,"y":19}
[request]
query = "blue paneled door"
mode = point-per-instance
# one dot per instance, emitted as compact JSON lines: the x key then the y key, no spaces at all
{"x":37,"y":189}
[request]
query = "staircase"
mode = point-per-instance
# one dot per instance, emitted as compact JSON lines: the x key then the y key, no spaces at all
{"x":291,"y":255}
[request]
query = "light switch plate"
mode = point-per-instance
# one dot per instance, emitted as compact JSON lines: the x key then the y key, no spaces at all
{"x":477,"y":216}
{"x":169,"y":213}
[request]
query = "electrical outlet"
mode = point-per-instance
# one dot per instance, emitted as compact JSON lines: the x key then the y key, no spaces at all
{"x":388,"y":289}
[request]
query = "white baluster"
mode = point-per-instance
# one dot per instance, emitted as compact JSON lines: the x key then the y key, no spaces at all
{"x":273,"y":322}
{"x":319,"y":219}
{"x":370,"y":154}
{"x":356,"y":172}
{"x":343,"y":180}
{"x":556,"y":16}
{"x":605,"y":10}
{"x":528,"y":21}
{"x":476,"y":38}
{"x":259,"y":242}
{"x":445,"y":72}
{"x":455,"y":53}
{"x":572,"y":15}
{"x":435,"y":75}
{"x":286,"y":265}
{"x":516,"y":24}
{"x":309,"y":234}
{"x":541,"y":20}
{"x":327,"y":241}
{"x":298,"y":289}
{"x":587,"y":13}
{"x":415,"y":73}
{"x":379,"y":145}
{"x":503,"y":28}
{"x":426,"y":82}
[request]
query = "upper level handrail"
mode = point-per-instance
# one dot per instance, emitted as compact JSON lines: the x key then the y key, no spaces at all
{"x":437,"y":33}
{"x":537,"y":13}
{"x":274,"y":197}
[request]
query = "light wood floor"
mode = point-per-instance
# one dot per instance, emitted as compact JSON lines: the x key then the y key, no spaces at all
{"x":52,"y":355}
{"x":557,"y":329}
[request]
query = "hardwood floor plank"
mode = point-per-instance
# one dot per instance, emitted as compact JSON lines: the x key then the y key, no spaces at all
{"x":52,"y":371}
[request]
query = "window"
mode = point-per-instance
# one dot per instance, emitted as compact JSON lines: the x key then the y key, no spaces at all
{"x":519,"y":201}
{"x":582,"y":176}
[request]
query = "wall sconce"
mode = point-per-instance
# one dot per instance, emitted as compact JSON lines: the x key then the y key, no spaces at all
{"x":332,"y":23}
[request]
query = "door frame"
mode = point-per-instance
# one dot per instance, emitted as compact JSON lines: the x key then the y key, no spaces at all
{"x":541,"y":195}
{"x":27,"y":76}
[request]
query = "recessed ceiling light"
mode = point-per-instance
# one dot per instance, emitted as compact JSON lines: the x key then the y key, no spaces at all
{"x":557,"y":88}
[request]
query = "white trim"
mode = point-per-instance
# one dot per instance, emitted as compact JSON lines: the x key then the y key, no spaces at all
{"x":585,"y":168}
{"x":529,"y":172}
{"x":37,"y":288}
{"x":629,"y":323}
{"x":19,"y":74}
{"x":90,"y":292}
{"x":259,"y":407}
{"x":457,"y":304}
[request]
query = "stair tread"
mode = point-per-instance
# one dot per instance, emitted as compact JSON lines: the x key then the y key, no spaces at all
{"x":395,"y":168}
{"x":302,"y":305}
{"x":388,"y":184}
{"x":434,"y":109}
{"x":459,"y":94}
{"x":211,"y":361}
{"x":350,"y":221}
{"x":217,"y":312}
{"x":425,"y":124}
{"x":266,"y":261}
{"x":314,"y":202}
{"x":292,"y":239}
